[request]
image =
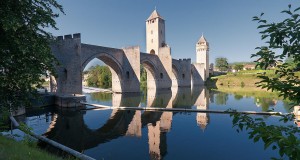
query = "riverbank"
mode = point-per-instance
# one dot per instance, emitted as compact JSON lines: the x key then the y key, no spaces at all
{"x":248,"y":91}
{"x":86,"y":89}
{"x":11,"y":149}
{"x":241,"y":78}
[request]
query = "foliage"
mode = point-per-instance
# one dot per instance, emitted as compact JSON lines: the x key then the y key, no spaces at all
{"x":143,"y":84}
{"x":242,"y":84}
{"x":222,"y":64}
{"x":283,"y":138}
{"x":238,"y":67}
{"x":4,"y":121}
{"x":280,"y":37}
{"x":99,"y":76}
{"x":292,"y":65}
{"x":25,"y":54}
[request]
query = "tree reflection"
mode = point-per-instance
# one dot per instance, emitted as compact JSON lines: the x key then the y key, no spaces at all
{"x":221,"y":98}
{"x":288,"y":106}
{"x":238,"y":97}
{"x":101,"y":96}
{"x":265,"y":103}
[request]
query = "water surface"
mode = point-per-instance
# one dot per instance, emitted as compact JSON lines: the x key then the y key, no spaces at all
{"x":119,"y":134}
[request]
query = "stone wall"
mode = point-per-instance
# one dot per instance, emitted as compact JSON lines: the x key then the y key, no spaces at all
{"x":67,"y":51}
{"x":198,"y":74}
{"x":181,"y":72}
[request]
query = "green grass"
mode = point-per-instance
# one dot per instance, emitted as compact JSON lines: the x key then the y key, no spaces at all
{"x":253,"y":72}
{"x":10,"y":149}
{"x":249,"y":91}
{"x":242,"y":78}
{"x":236,"y":80}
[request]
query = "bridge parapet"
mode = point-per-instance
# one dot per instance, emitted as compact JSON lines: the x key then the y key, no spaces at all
{"x":68,"y":36}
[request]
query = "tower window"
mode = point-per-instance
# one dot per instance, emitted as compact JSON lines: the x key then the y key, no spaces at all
{"x":152,"y":51}
{"x":127,"y":74}
{"x":183,"y":76}
{"x":161,"y":75}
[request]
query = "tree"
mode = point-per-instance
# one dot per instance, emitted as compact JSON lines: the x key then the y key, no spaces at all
{"x":291,"y":65}
{"x":25,"y":54}
{"x":238,"y":67}
{"x":282,"y":37}
{"x":99,"y":76}
{"x":222,"y":63}
{"x":143,"y":73}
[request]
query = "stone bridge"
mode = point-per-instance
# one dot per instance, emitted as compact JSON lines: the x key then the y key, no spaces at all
{"x":163,"y":72}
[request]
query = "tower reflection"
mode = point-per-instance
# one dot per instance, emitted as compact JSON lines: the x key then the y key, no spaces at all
{"x":158,"y":123}
{"x":202,"y":103}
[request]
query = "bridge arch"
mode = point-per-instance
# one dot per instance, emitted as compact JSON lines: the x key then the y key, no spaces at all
{"x":113,"y":64}
{"x":152,"y":72}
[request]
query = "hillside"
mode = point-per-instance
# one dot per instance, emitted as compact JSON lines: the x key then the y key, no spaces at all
{"x":243,"y":78}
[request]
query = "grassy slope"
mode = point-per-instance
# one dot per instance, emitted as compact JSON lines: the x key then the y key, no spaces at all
{"x":10,"y":149}
{"x":237,"y":80}
{"x":242,"y":78}
{"x":248,"y":91}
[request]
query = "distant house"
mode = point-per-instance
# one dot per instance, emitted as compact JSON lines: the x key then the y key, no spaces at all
{"x":249,"y":66}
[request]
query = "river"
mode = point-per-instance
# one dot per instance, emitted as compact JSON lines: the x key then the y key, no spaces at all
{"x":120,"y":134}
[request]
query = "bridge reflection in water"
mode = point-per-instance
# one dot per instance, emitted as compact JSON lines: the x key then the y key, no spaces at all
{"x":69,"y":128}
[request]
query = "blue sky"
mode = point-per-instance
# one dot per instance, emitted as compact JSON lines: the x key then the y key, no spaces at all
{"x":226,"y":24}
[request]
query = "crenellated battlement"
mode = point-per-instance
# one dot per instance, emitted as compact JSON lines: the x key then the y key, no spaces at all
{"x":69,"y":36}
{"x":188,"y":60}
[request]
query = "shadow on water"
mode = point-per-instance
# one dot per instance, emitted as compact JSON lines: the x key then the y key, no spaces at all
{"x":70,"y":129}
